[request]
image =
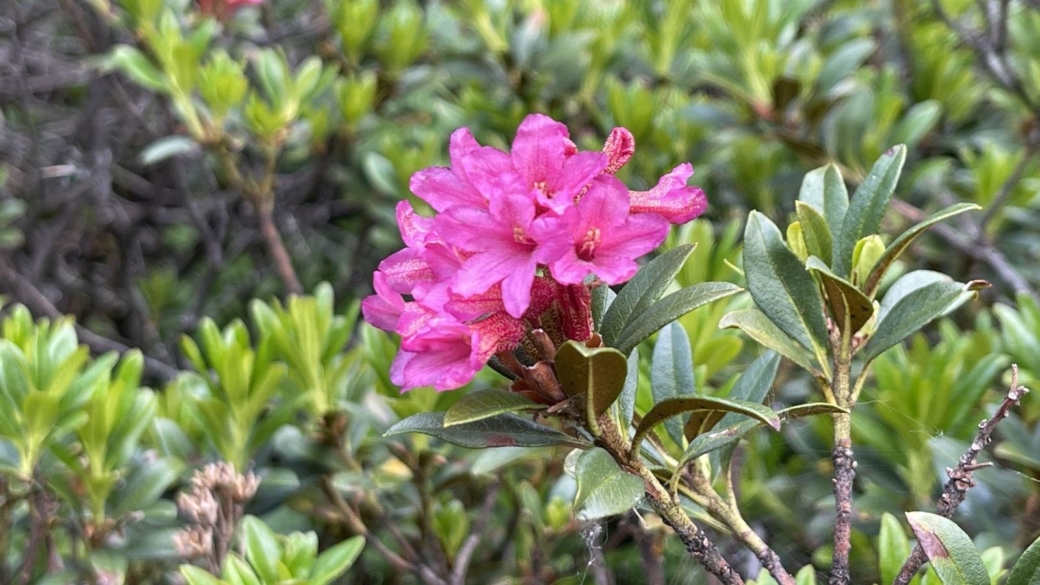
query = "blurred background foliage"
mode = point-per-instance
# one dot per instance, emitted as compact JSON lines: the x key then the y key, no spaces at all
{"x":168,"y":168}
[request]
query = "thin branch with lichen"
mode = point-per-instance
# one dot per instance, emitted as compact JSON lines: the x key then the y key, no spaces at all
{"x":961,"y":477}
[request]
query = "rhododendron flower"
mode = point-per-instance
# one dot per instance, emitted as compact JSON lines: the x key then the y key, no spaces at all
{"x":514,"y":248}
{"x":224,"y":9}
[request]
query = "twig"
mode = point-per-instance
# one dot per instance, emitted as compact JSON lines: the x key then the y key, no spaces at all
{"x":844,"y":475}
{"x":961,"y":479}
{"x":697,"y":543}
{"x":27,"y":293}
{"x":465,"y":554}
{"x":354,"y":521}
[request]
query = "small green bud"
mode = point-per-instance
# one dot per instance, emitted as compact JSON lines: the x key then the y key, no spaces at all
{"x":355,"y":21}
{"x":222,"y":83}
{"x":356,"y":95}
{"x":864,"y":256}
{"x":404,"y":38}
{"x":557,"y":514}
{"x":796,"y":241}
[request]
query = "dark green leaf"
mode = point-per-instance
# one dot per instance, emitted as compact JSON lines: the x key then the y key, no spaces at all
{"x":604,"y":489}
{"x":1027,"y":570}
{"x":675,"y":406}
{"x":753,"y":385}
{"x":781,"y":287}
{"x":754,"y":323}
{"x":671,"y":372}
{"x":626,"y":403}
{"x":911,"y":313}
{"x":146,"y":484}
{"x":844,"y":299}
{"x":597,"y":373}
{"x":486,"y":403}
{"x":602,"y":298}
{"x":669,"y":309}
{"x":824,"y":190}
{"x":903,"y":242}
{"x":868,"y":205}
{"x":504,"y":430}
{"x":642,"y":291}
{"x":815,"y":233}
{"x":809,"y":409}
{"x":917,"y":122}
{"x":950,"y":551}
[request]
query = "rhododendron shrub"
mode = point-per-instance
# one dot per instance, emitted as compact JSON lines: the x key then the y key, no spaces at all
{"x":517,"y":242}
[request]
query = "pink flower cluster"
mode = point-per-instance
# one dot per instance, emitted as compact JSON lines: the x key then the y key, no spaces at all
{"x":516,"y":236}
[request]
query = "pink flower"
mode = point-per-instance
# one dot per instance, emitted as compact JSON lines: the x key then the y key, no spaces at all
{"x":507,"y":243}
{"x":514,"y":244}
{"x":671,"y":198}
{"x":550,"y":166}
{"x":606,"y":238}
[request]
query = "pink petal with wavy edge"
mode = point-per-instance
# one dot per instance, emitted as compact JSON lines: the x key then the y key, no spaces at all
{"x":383,"y":309}
{"x":442,"y":189}
{"x":415,"y":229}
{"x":671,"y":198}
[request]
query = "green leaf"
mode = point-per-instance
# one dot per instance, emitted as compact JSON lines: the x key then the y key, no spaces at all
{"x":238,"y":572}
{"x":893,"y":547}
{"x":626,"y":402}
{"x":598,"y":373}
{"x":868,"y":205}
{"x":757,"y":326}
{"x":917,"y":122}
{"x":504,"y":430}
{"x":147,"y":484}
{"x":642,"y":291}
{"x":753,"y":385}
{"x":715,"y":440}
{"x":1027,"y":570}
{"x":671,"y":372}
{"x":949,"y":550}
{"x":815,"y":233}
{"x":602,"y":298}
{"x":604,"y":489}
{"x":137,"y":67}
{"x":901,"y":243}
{"x":806,"y":576}
{"x":166,"y":147}
{"x":844,"y":299}
{"x":675,"y":406}
{"x":911,"y":313}
{"x":336,"y":560}
{"x":198,"y":576}
{"x":669,"y":309}
{"x":261,"y":548}
{"x":781,"y":286}
{"x":824,"y":190}
{"x":486,"y":403}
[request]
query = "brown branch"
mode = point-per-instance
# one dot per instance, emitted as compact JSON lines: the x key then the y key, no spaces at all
{"x":25,"y":292}
{"x":844,"y":475}
{"x":961,"y":478}
{"x":465,"y":554}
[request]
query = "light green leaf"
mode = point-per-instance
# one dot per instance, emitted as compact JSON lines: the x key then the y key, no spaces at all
{"x":645,"y":288}
{"x":198,"y":576}
{"x":669,"y":309}
{"x":336,"y":560}
{"x":1027,"y":570}
{"x":166,"y":147}
{"x":261,"y":548}
{"x":486,"y":403}
{"x":844,"y":299}
{"x":671,"y":372}
{"x":815,"y":233}
{"x":893,"y":547}
{"x":950,"y":551}
{"x":868,"y":205}
{"x":604,"y":489}
{"x":781,"y":286}
{"x":824,"y":190}
{"x":137,"y":67}
{"x":757,"y":326}
{"x":901,"y":243}
{"x":806,"y":576}
{"x":911,"y":313}
{"x":597,"y":373}
{"x":504,"y":430}
{"x":917,"y":122}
